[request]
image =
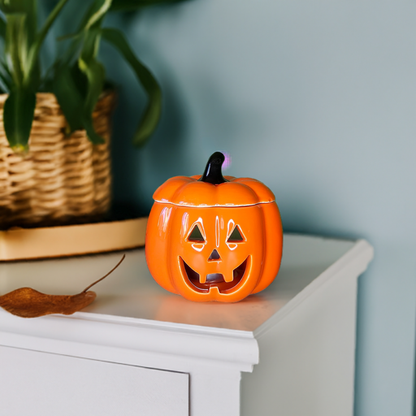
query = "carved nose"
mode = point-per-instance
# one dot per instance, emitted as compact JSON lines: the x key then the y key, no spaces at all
{"x":214,"y":256}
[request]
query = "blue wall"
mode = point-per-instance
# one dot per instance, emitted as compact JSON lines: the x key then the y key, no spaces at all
{"x":318,"y":100}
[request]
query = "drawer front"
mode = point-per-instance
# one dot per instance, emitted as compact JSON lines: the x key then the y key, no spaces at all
{"x":34,"y":383}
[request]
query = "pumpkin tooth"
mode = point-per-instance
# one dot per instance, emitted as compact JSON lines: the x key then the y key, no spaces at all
{"x":229,"y":277}
{"x":202,"y":278}
{"x":214,"y":291}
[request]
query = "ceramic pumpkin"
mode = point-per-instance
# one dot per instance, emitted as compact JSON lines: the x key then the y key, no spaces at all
{"x":214,"y":238}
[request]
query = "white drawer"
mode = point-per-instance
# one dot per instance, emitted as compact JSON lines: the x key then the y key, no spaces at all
{"x":34,"y":383}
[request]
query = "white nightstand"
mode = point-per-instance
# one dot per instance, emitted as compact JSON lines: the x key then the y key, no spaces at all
{"x":139,"y":350}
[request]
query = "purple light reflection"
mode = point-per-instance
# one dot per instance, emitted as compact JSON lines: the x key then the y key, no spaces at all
{"x":227,"y":161}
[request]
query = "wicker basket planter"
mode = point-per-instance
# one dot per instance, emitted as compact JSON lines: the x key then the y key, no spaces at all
{"x":62,"y":179}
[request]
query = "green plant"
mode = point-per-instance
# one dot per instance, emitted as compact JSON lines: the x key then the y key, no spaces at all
{"x":76,"y":77}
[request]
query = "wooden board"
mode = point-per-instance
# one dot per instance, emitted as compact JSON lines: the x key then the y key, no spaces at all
{"x":71,"y":240}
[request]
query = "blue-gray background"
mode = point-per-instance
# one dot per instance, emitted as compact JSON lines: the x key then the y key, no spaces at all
{"x":317,"y":99}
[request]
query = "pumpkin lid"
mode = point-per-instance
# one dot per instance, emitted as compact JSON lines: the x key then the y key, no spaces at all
{"x":212,"y":189}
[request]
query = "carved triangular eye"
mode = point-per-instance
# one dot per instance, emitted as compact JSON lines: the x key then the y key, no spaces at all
{"x":236,"y":236}
{"x":196,"y":235}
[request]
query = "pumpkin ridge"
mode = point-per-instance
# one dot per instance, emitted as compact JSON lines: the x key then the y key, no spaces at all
{"x":186,"y":191}
{"x":212,"y":206}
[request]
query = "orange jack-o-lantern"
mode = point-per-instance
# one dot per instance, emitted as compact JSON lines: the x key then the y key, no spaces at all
{"x":211,"y":238}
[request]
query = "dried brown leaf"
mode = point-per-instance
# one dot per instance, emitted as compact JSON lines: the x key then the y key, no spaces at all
{"x":29,"y":303}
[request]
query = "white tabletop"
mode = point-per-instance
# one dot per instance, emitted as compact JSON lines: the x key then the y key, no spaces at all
{"x":130,"y":292}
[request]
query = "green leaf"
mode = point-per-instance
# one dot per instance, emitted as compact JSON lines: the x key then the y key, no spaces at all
{"x":124,"y":5}
{"x":16,"y":46}
{"x":18,"y":113}
{"x":88,"y":32}
{"x":2,"y":28}
{"x":91,"y":133}
{"x":95,"y":13}
{"x":70,"y":55}
{"x":91,"y":43}
{"x":86,"y":38}
{"x":80,"y":80}
{"x":88,"y":77}
{"x":153,"y":110}
{"x":69,"y":97}
{"x":71,"y":90}
{"x":33,"y":55}
{"x":26,"y":7}
{"x":69,"y":36}
{"x":95,"y":74}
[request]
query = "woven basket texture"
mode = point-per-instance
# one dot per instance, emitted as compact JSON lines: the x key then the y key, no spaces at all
{"x":61,"y":179}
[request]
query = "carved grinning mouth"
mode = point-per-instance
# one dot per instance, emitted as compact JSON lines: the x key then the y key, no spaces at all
{"x":214,"y":279}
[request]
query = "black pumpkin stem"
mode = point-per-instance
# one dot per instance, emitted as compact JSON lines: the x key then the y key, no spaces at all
{"x":213,"y":173}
